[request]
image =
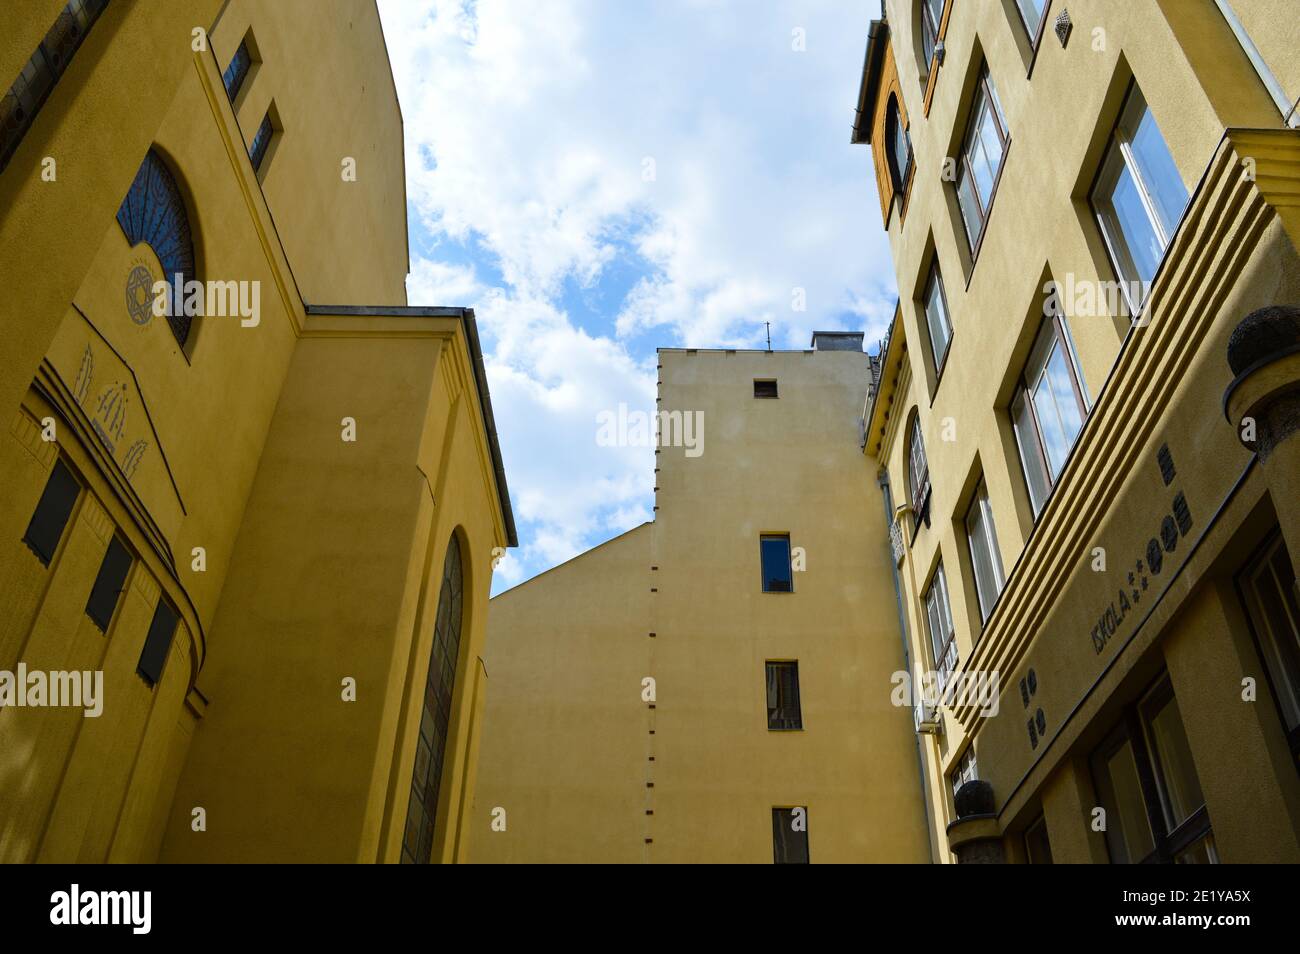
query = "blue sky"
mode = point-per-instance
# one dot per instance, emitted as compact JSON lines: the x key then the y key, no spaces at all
{"x":599,"y":178}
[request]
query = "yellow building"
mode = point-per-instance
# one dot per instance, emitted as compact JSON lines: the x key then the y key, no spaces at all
{"x":677,"y":693}
{"x":1086,"y":409}
{"x":254,"y":509}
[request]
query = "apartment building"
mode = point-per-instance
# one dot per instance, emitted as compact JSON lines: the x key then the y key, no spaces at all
{"x":1085,"y":412}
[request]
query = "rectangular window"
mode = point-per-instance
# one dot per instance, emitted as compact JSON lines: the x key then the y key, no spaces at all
{"x":108,"y":584}
{"x":1048,"y":410}
{"x":36,"y":79}
{"x":980,"y":163}
{"x":936,"y":318}
{"x":790,"y":836}
{"x":1147,"y":784}
{"x":985,"y":559}
{"x":237,"y":71}
{"x":52,"y":513}
{"x":158,"y":643}
{"x":774,"y":549}
{"x":261,"y":142}
{"x":1038,"y":850}
{"x":1031,"y":12}
{"x":1139,"y":199}
{"x":931,"y":17}
{"x":764,"y":389}
{"x":938,"y":617}
{"x":1270,"y":591}
{"x":783,"y":710}
{"x":965,"y":770}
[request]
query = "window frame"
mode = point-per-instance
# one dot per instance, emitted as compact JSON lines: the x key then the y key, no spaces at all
{"x":804,"y":836}
{"x":985,"y":93}
{"x":243,"y":54}
{"x":156,"y":638}
{"x":1038,"y":824}
{"x":940,"y":651}
{"x":1119,"y":155}
{"x":935,"y":281}
{"x":35,"y":546}
{"x":1058,"y":327}
{"x":789,"y":556}
{"x":918,"y":477}
{"x":1035,"y":36}
{"x":894,"y":128}
{"x":1258,"y":619}
{"x":257,"y":156}
{"x":930,"y":34}
{"x":1134,"y":728}
{"x":981,"y":505}
{"x":793,"y":705}
{"x":105,"y":624}
{"x":776,"y":391}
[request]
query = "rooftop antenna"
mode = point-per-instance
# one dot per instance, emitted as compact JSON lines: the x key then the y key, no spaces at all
{"x":768,"y":326}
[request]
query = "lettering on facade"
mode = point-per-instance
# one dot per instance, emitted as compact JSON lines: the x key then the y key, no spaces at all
{"x":1037,"y":722}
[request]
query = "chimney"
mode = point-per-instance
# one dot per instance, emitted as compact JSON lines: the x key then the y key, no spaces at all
{"x":837,"y":341}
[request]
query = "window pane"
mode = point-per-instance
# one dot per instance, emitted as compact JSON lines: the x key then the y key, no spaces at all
{"x":789,"y":846}
{"x":1037,"y":847}
{"x":52,"y":512}
{"x":1057,"y":408}
{"x":261,"y":141}
{"x":1180,"y":788}
{"x":1030,"y":459}
{"x":971,"y":216}
{"x":775,"y":554}
{"x":936,"y":317}
{"x":984,"y":556}
{"x":783,"y":710}
{"x":1128,"y":833}
{"x":108,"y":584}
{"x":157,"y":644}
{"x":1032,"y":12}
{"x":993,"y":151}
{"x":1278,"y":624}
{"x":1159,"y":174}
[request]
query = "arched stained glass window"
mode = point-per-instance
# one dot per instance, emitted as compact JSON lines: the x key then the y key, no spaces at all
{"x":153,"y":212}
{"x":431,"y":746}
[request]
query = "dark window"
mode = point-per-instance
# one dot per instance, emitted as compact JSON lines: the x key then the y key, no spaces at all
{"x":900,"y":148}
{"x":36,"y":79}
{"x":1147,"y":784}
{"x":774,"y":549}
{"x":52,"y":512}
{"x":154,"y":212}
{"x":764,"y":389}
{"x":790,"y":836}
{"x":237,"y":71}
{"x":783,"y":710}
{"x":158,"y":643}
{"x":261,"y":142}
{"x":1269,"y":587}
{"x":1038,"y":850}
{"x":980,"y":163}
{"x":431,"y":745}
{"x":108,"y":584}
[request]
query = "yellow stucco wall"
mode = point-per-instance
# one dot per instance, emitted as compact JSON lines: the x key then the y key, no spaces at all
{"x":320,"y":558}
{"x":568,"y":746}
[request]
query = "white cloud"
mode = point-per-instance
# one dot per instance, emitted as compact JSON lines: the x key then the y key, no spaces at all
{"x":527,"y":130}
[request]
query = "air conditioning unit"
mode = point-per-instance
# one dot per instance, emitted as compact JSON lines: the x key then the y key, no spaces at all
{"x":929,"y":720}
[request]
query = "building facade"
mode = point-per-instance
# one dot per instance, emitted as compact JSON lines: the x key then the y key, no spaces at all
{"x":715,"y":685}
{"x":1086,"y":409}
{"x":249,"y":494}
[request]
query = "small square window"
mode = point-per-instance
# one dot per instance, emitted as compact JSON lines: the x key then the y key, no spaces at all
{"x":108,"y":584}
{"x":765,"y":388}
{"x":783,"y":709}
{"x":774,"y":549}
{"x":52,"y":513}
{"x":158,"y":643}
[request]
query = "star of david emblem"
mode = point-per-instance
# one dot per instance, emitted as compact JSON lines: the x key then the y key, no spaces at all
{"x":139,"y":295}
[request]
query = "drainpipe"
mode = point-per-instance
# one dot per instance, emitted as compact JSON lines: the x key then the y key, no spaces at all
{"x":883,"y":480}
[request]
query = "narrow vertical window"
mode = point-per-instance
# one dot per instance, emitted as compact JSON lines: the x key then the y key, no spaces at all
{"x":984,"y":147}
{"x":790,"y":836}
{"x":261,"y":142}
{"x":157,"y":644}
{"x":984,"y":555}
{"x":1048,"y":410}
{"x":435,"y":721}
{"x":1139,"y":199}
{"x":52,"y":512}
{"x":774,"y":552}
{"x":109,"y":581}
{"x":1031,"y":13}
{"x":783,"y":710}
{"x":900,"y":148}
{"x":918,"y":470}
{"x":936,"y":318}
{"x":931,"y":17}
{"x":235,"y":74}
{"x":1270,"y":589}
{"x":938,"y":618}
